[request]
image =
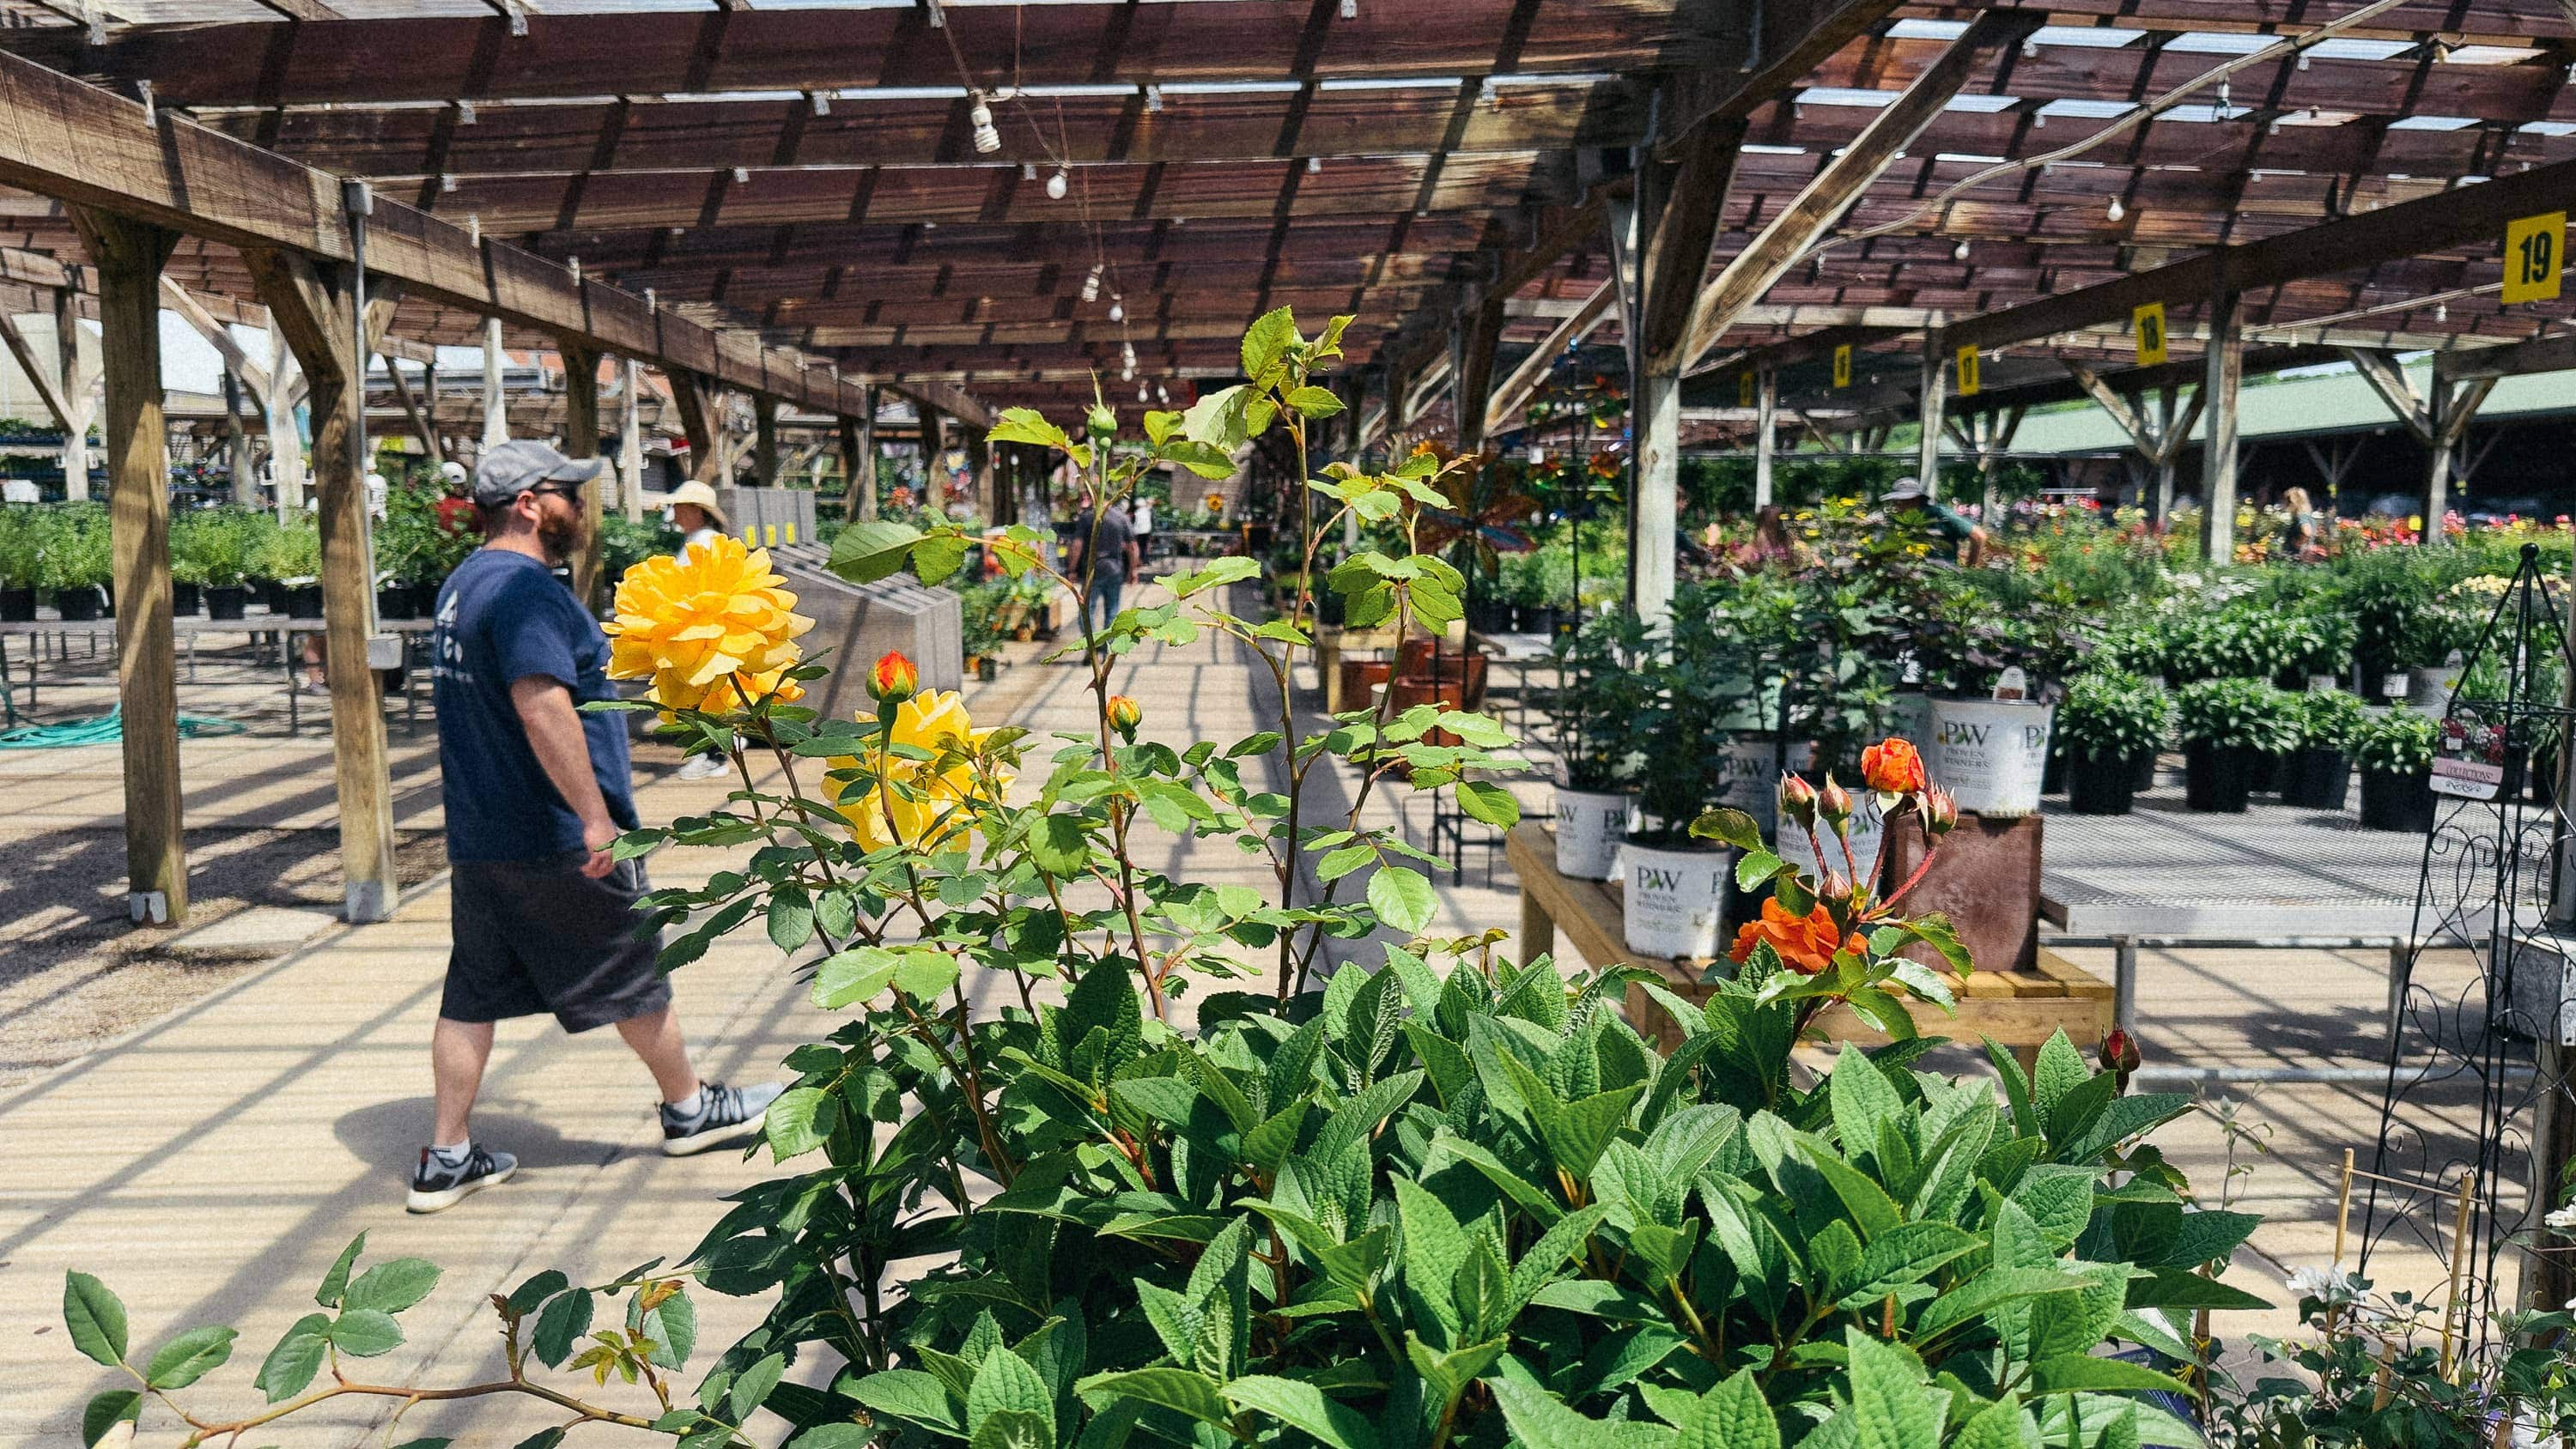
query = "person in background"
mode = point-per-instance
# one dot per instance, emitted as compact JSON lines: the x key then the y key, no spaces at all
{"x":544,"y":918}
{"x":1140,"y":521}
{"x":1105,"y":556}
{"x":1770,"y":543}
{"x":2303,"y":534}
{"x":456,"y":510}
{"x":1911,"y":504}
{"x":696,"y":514}
{"x":700,"y":519}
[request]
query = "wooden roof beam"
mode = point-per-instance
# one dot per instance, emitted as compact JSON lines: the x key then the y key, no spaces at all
{"x":2540,"y":354}
{"x":1795,"y":227}
{"x":85,"y":146}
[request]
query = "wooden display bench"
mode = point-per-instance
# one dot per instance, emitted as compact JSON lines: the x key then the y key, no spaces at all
{"x":2020,"y":1009}
{"x":1331,"y":640}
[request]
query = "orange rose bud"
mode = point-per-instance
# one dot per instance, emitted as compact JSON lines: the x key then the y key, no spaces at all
{"x":1892,"y":767}
{"x":1833,"y":802}
{"x":1940,"y":812}
{"x":1797,"y":800}
{"x":1124,"y":715}
{"x":1806,"y":944}
{"x":894,"y":679}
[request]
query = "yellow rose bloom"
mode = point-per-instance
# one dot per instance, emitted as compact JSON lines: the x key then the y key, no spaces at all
{"x":691,"y":625}
{"x":933,"y":720}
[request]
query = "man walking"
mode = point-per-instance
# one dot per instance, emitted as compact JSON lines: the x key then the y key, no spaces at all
{"x":544,"y":919}
{"x":1107,"y":548}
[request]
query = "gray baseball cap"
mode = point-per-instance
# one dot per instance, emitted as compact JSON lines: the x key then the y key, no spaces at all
{"x":516,"y":466}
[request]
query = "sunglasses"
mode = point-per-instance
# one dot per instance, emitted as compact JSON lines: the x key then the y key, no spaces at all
{"x":570,"y":492}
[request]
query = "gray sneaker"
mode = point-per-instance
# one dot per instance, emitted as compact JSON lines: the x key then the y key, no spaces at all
{"x":438,"y":1184}
{"x":721,"y":1115}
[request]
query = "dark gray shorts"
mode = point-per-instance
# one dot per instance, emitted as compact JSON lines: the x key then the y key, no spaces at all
{"x":536,"y":936}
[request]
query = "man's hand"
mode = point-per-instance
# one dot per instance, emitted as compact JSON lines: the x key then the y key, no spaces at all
{"x":599,"y":835}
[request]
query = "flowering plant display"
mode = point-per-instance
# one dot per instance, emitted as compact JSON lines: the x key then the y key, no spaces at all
{"x":1445,"y":1199}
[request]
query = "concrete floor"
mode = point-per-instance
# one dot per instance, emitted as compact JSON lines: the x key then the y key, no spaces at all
{"x":210,"y":1163}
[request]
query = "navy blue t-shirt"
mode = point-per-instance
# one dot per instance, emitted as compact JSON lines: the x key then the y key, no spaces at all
{"x":502,"y":616}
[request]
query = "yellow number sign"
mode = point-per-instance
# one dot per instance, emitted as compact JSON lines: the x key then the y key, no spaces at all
{"x":1842,"y":365}
{"x":1967,"y":372}
{"x":1744,"y":390}
{"x":2148,"y":322}
{"x":2535,"y":248}
{"x":771,"y":529}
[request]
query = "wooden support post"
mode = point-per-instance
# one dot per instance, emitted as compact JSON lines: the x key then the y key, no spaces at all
{"x":2447,"y":414}
{"x":2225,"y":364}
{"x":1479,"y":329}
{"x":581,"y":440}
{"x":76,"y":372}
{"x":285,"y":439}
{"x":128,"y":257}
{"x":413,"y":411}
{"x":1931,"y":397}
{"x":979,"y":473}
{"x":311,"y":306}
{"x":697,"y":404}
{"x":496,"y":414}
{"x":630,"y":441}
{"x":934,"y":449}
{"x":1766,"y":421}
{"x":2168,"y":452}
{"x":764,"y":446}
{"x":859,"y":450}
{"x":237,"y":440}
{"x":1683,"y":201}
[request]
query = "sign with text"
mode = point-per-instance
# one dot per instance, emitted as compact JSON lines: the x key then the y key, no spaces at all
{"x":1842,"y":365}
{"x":1744,"y":390}
{"x":2148,"y":323}
{"x":1967,"y":372}
{"x":2535,"y":250}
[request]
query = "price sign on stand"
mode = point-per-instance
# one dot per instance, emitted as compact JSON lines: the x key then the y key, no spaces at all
{"x":1967,"y":372}
{"x":2148,"y":322}
{"x":2535,"y":249}
{"x":1744,"y":390}
{"x":1842,"y":365}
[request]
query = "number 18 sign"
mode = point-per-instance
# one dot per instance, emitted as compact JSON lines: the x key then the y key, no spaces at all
{"x":2534,"y":251}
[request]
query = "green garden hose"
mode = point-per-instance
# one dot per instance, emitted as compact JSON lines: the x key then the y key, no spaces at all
{"x":105,"y":729}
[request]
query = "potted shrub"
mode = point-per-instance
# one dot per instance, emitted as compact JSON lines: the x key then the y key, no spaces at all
{"x":20,"y":550}
{"x":1597,"y":714}
{"x":2318,"y":774}
{"x":1677,"y":885}
{"x":78,"y":560}
{"x":218,"y":546}
{"x":2227,"y":726}
{"x":2107,"y":720}
{"x":2395,"y":756}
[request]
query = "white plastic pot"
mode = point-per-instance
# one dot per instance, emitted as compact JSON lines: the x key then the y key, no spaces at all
{"x":2429,"y":689}
{"x":1590,"y":826}
{"x":1752,"y":763}
{"x":1868,"y":828}
{"x":1675,"y":900}
{"x":1990,"y":753}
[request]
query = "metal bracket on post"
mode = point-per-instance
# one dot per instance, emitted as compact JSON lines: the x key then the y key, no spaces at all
{"x":153,"y":906}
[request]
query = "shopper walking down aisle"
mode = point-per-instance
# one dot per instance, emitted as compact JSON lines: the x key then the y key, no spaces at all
{"x":544,"y":919}
{"x":699,"y":517}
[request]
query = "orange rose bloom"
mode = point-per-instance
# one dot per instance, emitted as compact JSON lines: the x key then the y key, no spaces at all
{"x":1892,"y":767}
{"x":1806,"y":943}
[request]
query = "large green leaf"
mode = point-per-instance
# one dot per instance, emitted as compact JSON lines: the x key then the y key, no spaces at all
{"x":1006,"y":1383}
{"x":1304,"y":1407}
{"x":912,"y":1395}
{"x":2083,"y":1373}
{"x":189,"y":1357}
{"x":1888,"y":1396}
{"x":392,"y":1286}
{"x":336,"y":1280}
{"x":1734,"y":1415}
{"x":1180,"y":1390}
{"x":1540,"y":1421}
{"x":872,"y":548}
{"x":296,"y":1359}
{"x":107,"y":1410}
{"x":1403,"y":899}
{"x":96,"y":1318}
{"x":365,"y":1332}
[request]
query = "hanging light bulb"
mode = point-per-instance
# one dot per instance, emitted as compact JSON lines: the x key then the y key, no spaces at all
{"x":980,"y":115}
{"x":1162,"y":394}
{"x":1127,"y":356}
{"x":1117,"y":309}
{"x":2115,"y":210}
{"x":1959,"y":253}
{"x":2441,"y":311}
{"x":1091,"y":284}
{"x":1028,"y":171}
{"x":1057,"y":184}
{"x":1140,"y":392}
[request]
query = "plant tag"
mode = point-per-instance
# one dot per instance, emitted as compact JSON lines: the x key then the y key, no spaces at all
{"x":2012,"y":684}
{"x":2469,"y":758}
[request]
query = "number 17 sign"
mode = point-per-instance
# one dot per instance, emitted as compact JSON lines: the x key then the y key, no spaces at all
{"x":2534,"y":251}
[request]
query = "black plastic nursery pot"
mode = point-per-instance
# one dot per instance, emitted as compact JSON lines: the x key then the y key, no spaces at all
{"x":186,"y":600}
{"x":81,"y":605}
{"x":2218,"y":779}
{"x":2394,"y":800}
{"x":2052,"y":774}
{"x":17,"y":606}
{"x":394,"y":601}
{"x":304,"y":602}
{"x":2101,"y":784}
{"x":271,"y":593}
{"x":226,"y":601}
{"x":2316,"y":779}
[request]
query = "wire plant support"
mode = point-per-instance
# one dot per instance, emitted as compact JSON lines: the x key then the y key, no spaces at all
{"x":2477,"y":1088}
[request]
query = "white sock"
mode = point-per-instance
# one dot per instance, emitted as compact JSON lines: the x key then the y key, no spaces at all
{"x":452,"y":1155}
{"x":690,"y":1105}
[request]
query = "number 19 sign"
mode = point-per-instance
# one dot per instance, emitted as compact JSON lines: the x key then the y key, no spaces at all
{"x":2534,"y":252}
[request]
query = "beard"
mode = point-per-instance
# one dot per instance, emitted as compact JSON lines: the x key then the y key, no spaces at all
{"x":559,"y":537}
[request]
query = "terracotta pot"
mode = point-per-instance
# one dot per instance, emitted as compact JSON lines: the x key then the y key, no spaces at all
{"x":1359,"y":676}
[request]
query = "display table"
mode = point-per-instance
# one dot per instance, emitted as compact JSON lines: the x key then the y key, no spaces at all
{"x":2017,"y":1008}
